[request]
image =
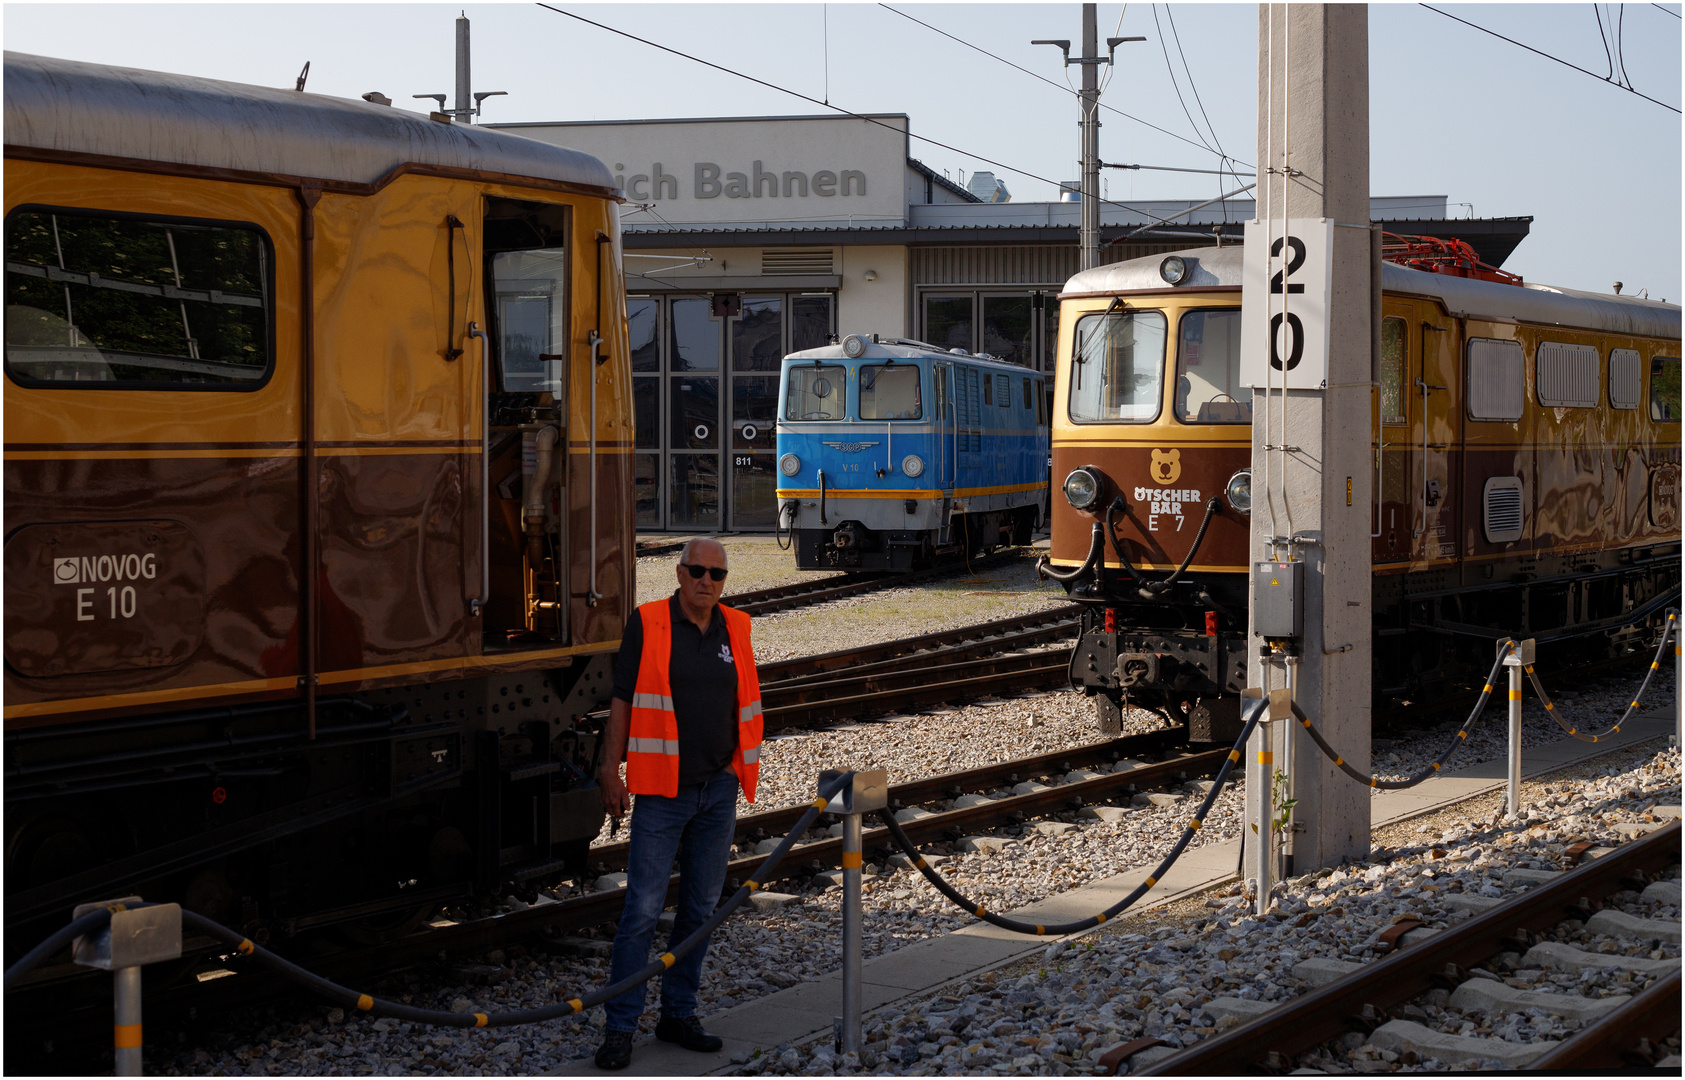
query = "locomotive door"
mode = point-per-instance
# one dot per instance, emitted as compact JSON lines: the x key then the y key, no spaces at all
{"x":1434,"y":391}
{"x":944,"y":475}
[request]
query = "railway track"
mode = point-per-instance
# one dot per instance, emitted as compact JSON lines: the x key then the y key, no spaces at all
{"x":1364,"y":1000}
{"x":70,"y":998}
{"x":839,"y":586}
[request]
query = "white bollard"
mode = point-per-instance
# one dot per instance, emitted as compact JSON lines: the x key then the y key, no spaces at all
{"x":869,"y":791}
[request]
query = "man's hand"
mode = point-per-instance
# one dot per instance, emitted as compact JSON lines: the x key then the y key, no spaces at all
{"x":616,"y":799}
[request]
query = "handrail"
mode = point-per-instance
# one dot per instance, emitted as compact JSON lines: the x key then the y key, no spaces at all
{"x":476,"y":603}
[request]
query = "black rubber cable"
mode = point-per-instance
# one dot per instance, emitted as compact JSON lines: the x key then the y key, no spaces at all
{"x":1433,"y":767}
{"x":1045,"y":569}
{"x":439,"y":1018}
{"x":1655,"y":665}
{"x":1057,"y":929}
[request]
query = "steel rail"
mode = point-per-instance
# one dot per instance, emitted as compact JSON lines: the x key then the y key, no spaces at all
{"x":951,"y":785}
{"x":1050,"y":670}
{"x":1333,"y":1009}
{"x":1653,"y":1015}
{"x":998,"y":630}
{"x":802,"y":594}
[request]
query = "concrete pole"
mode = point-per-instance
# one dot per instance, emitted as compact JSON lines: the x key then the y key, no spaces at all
{"x":464,"y":89}
{"x":1313,"y":119}
{"x":1089,"y":241}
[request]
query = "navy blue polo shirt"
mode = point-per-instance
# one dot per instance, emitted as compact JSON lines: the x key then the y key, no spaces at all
{"x":703,"y":676}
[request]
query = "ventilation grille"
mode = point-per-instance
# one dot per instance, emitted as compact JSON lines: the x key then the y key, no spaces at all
{"x":1501,"y":515}
{"x":797,"y":262}
{"x":1567,"y":375}
{"x":1626,"y":378}
{"x":1497,"y":379}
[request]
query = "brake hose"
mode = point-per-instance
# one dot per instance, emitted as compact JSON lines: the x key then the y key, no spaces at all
{"x":1044,"y":569}
{"x":1149,"y":590}
{"x":822,"y":520}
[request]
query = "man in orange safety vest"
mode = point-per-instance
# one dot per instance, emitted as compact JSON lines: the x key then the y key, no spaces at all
{"x":686,"y":716}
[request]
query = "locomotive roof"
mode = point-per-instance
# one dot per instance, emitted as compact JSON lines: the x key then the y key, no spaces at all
{"x":1543,"y":304}
{"x":67,"y":105}
{"x":901,"y":349}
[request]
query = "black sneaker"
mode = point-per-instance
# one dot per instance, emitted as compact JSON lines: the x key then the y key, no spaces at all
{"x":616,"y":1051}
{"x":687,"y":1032}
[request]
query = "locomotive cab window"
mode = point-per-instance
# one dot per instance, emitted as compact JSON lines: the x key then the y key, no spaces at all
{"x":1664,"y":388}
{"x":890,"y":392}
{"x":121,"y":301}
{"x":527,"y":257}
{"x":1208,"y":389}
{"x":815,"y":393}
{"x":1118,"y":371}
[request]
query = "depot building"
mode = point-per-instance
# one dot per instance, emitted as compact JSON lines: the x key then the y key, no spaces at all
{"x":748,"y":238}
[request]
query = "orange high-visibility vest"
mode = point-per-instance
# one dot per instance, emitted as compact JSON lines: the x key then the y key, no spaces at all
{"x":652,"y":744}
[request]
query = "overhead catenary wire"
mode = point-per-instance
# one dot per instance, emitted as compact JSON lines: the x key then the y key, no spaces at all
{"x":1067,"y":87}
{"x":838,"y":108}
{"x":1675,"y":14}
{"x":1548,"y":56}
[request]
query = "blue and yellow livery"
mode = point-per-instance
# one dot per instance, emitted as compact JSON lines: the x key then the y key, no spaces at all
{"x":892,"y":452}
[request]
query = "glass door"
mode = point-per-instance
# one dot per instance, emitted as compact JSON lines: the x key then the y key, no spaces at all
{"x":693,"y":412}
{"x":757,"y":347}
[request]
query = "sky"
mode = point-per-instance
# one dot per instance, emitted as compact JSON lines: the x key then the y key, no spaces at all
{"x":1498,"y":130}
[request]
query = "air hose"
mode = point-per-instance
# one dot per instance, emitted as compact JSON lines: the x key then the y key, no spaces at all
{"x":1255,"y":707}
{"x":1148,"y":589}
{"x":1045,"y":570}
{"x":244,"y":946}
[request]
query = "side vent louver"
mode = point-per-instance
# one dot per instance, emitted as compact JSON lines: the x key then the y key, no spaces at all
{"x":797,"y":262}
{"x":1626,"y":378}
{"x":1567,"y":375}
{"x":1501,"y":512}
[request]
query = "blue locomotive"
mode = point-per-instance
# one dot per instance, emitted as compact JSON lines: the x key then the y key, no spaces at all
{"x":892,"y":453}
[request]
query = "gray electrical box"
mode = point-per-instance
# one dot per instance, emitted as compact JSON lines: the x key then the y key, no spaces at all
{"x":1278,"y":595}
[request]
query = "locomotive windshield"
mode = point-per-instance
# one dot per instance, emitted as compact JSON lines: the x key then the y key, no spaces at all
{"x":1208,"y":389}
{"x":1118,"y":371}
{"x":890,"y":392}
{"x":816,"y":393}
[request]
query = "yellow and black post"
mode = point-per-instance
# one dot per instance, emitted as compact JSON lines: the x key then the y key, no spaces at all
{"x":868,"y":792}
{"x":138,"y":934}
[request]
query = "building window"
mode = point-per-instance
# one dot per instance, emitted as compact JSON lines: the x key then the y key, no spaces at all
{"x":947,"y":322}
{"x":1008,"y":329}
{"x":108,"y":302}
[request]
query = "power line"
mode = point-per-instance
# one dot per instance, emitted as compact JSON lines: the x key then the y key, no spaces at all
{"x":1034,"y":75}
{"x":1675,"y":14}
{"x":838,"y":108}
{"x":1175,"y":83}
{"x":1548,"y":56}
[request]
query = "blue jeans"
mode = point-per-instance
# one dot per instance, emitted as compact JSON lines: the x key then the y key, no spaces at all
{"x":696,"y":825}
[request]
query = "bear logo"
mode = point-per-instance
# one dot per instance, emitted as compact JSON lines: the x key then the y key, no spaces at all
{"x":1167,"y":466}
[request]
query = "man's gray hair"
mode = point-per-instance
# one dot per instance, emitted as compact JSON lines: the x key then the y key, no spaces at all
{"x":684,"y":552}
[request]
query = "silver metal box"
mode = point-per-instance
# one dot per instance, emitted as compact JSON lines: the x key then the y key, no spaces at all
{"x":135,"y":937}
{"x":1278,"y":593}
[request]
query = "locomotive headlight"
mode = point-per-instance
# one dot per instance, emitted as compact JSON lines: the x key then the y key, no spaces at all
{"x":854,"y":346}
{"x":912,"y":465}
{"x":1083,"y":487}
{"x":1239,"y":491}
{"x":1173,"y":270}
{"x":789,"y":464}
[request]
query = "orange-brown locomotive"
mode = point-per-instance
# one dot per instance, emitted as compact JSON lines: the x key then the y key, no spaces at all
{"x":1527,"y":445}
{"x":317,"y":465}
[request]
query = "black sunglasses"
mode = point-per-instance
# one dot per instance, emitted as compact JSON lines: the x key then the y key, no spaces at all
{"x":716,"y":572}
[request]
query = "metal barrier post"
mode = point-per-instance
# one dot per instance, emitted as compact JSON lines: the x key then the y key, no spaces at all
{"x":126,"y":1029}
{"x":1261,"y":775}
{"x":1678,"y":682}
{"x":1518,"y":655}
{"x":868,"y":792}
{"x":134,"y":937}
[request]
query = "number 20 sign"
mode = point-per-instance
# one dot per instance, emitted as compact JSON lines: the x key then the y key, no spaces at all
{"x":1284,"y":304}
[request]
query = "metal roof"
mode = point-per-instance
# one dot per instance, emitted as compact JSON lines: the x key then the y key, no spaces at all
{"x":69,"y":106}
{"x":903,"y":349}
{"x":1541,"y":304}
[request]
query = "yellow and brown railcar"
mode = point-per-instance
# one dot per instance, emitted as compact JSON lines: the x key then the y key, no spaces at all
{"x":317,"y":424}
{"x":1526,"y":440}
